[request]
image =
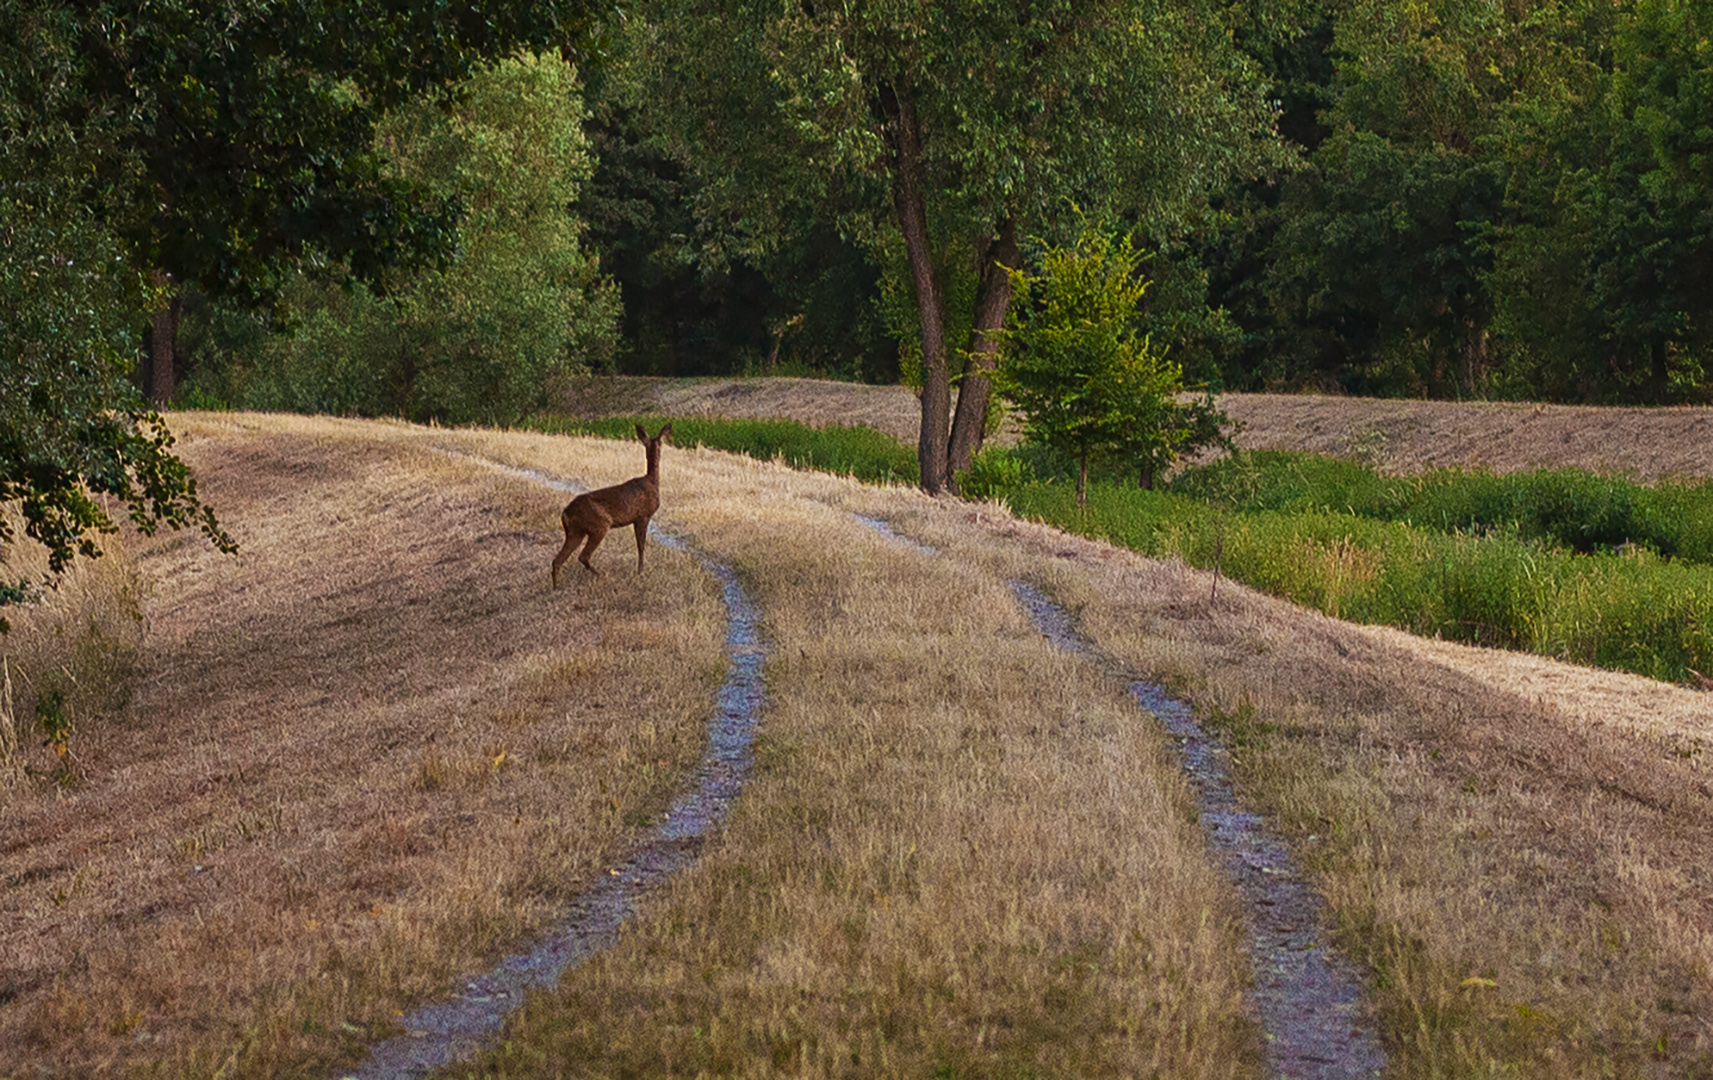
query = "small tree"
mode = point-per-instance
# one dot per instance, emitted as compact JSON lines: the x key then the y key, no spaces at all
{"x":941,"y":133}
{"x":1088,"y":383}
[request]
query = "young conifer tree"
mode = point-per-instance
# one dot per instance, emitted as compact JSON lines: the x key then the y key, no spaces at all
{"x":1074,"y":362}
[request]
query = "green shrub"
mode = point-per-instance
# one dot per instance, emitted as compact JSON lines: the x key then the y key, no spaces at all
{"x":481,"y":339}
{"x":1284,"y":480}
{"x":994,"y":471}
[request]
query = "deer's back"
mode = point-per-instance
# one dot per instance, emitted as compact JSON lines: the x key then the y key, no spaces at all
{"x":621,"y":504}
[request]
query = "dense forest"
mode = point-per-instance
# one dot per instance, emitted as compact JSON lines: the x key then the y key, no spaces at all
{"x":450,"y":212}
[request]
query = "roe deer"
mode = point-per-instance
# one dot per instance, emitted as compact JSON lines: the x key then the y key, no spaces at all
{"x":593,"y":513}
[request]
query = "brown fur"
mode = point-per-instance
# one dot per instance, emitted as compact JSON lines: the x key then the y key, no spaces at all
{"x":590,"y":516}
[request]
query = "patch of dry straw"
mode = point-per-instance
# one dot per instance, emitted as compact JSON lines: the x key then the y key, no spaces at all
{"x":360,"y":758}
{"x":71,"y":651}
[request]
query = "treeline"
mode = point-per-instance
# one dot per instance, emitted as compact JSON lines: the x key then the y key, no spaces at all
{"x":1466,"y":199}
{"x":1495,"y":200}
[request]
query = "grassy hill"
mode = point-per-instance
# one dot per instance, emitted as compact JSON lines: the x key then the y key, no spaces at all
{"x":375,"y":751}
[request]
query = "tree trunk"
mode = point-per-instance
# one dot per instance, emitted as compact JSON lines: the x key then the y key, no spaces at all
{"x":992,"y":301}
{"x":1661,"y":372}
{"x":1082,"y":480}
{"x":163,"y":342}
{"x":1475,"y":353}
{"x":909,"y":194}
{"x":1145,"y":479}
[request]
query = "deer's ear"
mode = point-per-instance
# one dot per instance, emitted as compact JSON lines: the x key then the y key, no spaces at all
{"x":665,"y":433}
{"x":641,"y":434}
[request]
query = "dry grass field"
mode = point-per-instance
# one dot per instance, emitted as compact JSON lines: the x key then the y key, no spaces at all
{"x":356,"y":759}
{"x":374,"y":750}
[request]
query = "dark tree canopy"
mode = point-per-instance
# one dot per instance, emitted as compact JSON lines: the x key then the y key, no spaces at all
{"x":232,"y":137}
{"x":1498,"y":200}
{"x":146,"y":143}
{"x":72,"y":426}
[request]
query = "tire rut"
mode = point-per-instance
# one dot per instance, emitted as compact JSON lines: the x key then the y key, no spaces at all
{"x":456,"y":1028}
{"x":1307,"y":995}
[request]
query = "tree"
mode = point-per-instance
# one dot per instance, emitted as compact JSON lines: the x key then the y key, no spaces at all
{"x":1088,"y":383}
{"x":1390,"y":263}
{"x":212,"y":143}
{"x":1605,"y":271}
{"x":1380,"y":259}
{"x":692,"y":307}
{"x":523,"y":306}
{"x":1376,"y":253}
{"x":945,"y":131}
{"x":73,"y":427}
{"x":231,"y":139}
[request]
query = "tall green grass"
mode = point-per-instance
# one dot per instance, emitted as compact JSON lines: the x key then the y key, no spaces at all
{"x":1585,"y":568}
{"x":1631,"y":611}
{"x":1583,"y":511}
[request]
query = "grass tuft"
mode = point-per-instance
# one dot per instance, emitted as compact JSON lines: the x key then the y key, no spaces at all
{"x":67,"y":665}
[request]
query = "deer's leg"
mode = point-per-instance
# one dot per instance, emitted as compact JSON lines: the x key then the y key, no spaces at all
{"x":641,"y":536}
{"x":596,"y":535}
{"x":573,"y":537}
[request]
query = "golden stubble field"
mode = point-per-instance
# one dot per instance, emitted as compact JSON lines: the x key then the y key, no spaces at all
{"x":374,"y":751}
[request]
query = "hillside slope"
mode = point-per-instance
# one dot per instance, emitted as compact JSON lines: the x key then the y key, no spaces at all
{"x":374,"y":750}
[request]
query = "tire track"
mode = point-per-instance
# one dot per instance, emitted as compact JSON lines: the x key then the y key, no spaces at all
{"x":1307,"y":995}
{"x":456,"y":1028}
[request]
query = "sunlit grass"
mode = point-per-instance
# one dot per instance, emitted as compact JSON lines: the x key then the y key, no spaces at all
{"x":68,"y":663}
{"x":962,"y":853}
{"x":1514,"y":873}
{"x":361,"y":758}
{"x":391,"y":751}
